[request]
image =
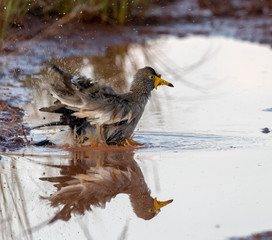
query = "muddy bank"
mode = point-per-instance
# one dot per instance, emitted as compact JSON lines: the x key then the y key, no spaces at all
{"x":12,"y":130}
{"x":41,"y":38}
{"x":256,"y":236}
{"x":66,"y":36}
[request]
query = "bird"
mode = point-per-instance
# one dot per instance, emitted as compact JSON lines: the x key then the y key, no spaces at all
{"x":93,"y":178}
{"x":94,"y":111}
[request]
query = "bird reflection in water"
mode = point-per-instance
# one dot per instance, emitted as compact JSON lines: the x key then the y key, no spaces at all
{"x":94,"y":177}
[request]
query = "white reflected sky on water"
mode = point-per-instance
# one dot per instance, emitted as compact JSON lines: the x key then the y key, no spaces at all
{"x":223,"y":94}
{"x":217,"y":193}
{"x":230,"y":189}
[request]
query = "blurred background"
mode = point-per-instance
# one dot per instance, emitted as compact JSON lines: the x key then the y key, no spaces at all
{"x":46,"y":18}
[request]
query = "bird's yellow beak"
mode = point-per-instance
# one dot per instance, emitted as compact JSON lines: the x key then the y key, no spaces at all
{"x":158,"y":205}
{"x":159,"y":81}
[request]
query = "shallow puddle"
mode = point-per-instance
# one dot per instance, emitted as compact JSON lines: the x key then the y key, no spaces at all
{"x":203,"y":147}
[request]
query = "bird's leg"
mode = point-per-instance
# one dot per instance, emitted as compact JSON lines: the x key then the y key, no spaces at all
{"x":102,"y":135}
{"x":98,"y":162}
{"x":75,"y":157}
{"x":92,"y":141}
{"x":98,"y":133}
{"x":77,"y":139}
{"x":75,"y":134}
{"x":134,"y":143}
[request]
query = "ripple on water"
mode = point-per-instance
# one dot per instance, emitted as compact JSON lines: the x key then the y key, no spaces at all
{"x":183,"y":142}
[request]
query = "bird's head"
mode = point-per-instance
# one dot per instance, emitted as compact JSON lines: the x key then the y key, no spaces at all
{"x":146,"y":79}
{"x":147,"y":207}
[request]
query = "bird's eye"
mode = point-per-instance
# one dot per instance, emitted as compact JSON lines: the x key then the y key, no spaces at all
{"x":150,"y":210}
{"x":152,"y":77}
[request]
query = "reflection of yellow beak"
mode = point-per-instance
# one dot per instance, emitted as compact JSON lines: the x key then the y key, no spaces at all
{"x":158,"y":205}
{"x":159,"y":81}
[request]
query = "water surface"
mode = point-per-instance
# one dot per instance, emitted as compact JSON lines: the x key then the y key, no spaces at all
{"x":203,"y":146}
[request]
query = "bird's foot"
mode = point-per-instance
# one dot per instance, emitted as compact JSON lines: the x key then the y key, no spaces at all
{"x":130,"y":142}
{"x":94,"y":142}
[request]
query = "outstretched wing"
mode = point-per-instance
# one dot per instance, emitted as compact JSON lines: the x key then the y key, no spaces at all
{"x":106,"y":106}
{"x":88,"y":99}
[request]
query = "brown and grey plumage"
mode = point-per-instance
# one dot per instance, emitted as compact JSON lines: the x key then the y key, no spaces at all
{"x":96,"y":110}
{"x":95,"y":177}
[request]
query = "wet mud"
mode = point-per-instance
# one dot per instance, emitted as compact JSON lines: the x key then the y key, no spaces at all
{"x":13,"y":131}
{"x":45,"y":38}
{"x":11,"y":127}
